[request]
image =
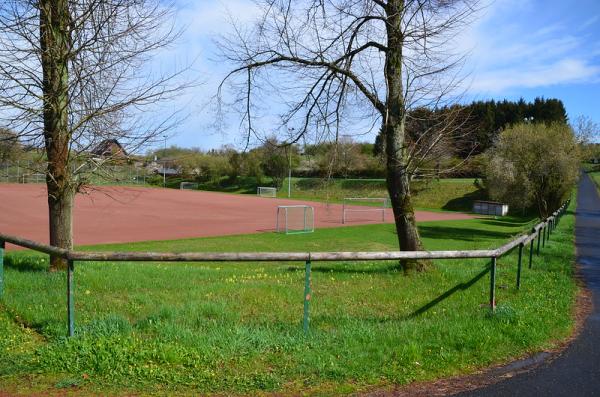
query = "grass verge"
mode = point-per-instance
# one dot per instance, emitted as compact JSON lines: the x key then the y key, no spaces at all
{"x":455,"y":194}
{"x":236,"y":328}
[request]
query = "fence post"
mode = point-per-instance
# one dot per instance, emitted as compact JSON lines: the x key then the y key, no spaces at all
{"x":70,"y":298}
{"x":519,"y":266}
{"x":539,"y":236}
{"x":531,"y":250}
{"x":493,"y":284}
{"x":544,"y":235}
{"x":307,"y":296}
{"x":2,"y":247}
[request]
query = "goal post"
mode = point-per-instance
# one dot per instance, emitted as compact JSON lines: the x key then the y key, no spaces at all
{"x":369,"y":204}
{"x":295,"y":219}
{"x":188,"y":186}
{"x":264,"y":191}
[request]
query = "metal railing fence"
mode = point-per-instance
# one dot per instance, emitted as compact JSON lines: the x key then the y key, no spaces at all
{"x":541,"y":231}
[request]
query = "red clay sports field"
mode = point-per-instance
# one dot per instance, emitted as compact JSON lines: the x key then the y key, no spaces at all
{"x":128,"y":214}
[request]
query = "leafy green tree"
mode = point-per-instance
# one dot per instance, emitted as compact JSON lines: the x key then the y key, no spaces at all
{"x":533,"y":166}
{"x":274,"y":162}
{"x":10,"y":148}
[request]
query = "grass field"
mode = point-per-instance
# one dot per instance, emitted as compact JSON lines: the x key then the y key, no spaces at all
{"x":443,"y":194}
{"x":236,"y":327}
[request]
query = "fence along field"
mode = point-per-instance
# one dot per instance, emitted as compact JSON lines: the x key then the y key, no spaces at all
{"x":541,"y":231}
{"x":236,"y":327}
{"x":28,"y":171}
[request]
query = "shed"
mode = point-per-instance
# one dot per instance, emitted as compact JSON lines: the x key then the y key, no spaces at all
{"x":490,"y":208}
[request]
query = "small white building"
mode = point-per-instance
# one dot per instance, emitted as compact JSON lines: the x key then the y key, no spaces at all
{"x":490,"y":208}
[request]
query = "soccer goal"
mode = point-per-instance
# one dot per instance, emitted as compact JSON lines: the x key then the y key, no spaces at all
{"x":264,"y":191}
{"x":294,"y":219}
{"x":365,"y":204}
{"x":33,"y":178}
{"x":188,"y":186}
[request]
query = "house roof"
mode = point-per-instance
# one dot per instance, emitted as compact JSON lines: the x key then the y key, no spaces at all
{"x":109,"y":147}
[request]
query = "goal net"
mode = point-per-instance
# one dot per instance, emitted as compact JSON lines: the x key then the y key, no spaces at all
{"x":293,"y":219}
{"x":264,"y":191}
{"x":188,"y":186}
{"x":373,"y":205}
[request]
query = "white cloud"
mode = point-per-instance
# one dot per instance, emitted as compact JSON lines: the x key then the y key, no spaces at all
{"x":519,"y":47}
{"x":561,"y":72}
{"x":590,"y":22}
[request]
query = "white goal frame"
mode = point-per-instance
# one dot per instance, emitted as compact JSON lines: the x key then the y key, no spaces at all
{"x":266,"y":191}
{"x":308,"y":217}
{"x":385,"y":203}
{"x":188,"y":186}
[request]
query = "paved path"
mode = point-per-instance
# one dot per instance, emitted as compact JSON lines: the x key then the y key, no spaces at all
{"x":577,"y":371}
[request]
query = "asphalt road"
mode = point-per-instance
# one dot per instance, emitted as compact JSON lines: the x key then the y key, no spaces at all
{"x":577,"y":371}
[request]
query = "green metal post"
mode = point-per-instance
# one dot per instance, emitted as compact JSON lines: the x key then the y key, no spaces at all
{"x":2,"y":247}
{"x":307,"y":296}
{"x":519,"y":266}
{"x":539,"y":237}
{"x":70,"y":298}
{"x":531,"y":253}
{"x":549,"y":230}
{"x":493,"y":284}
{"x":544,"y":236}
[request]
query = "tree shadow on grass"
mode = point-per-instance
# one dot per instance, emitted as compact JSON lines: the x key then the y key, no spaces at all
{"x":449,"y":293}
{"x":464,"y":203}
{"x":461,"y":233}
{"x":510,"y":221}
{"x":423,"y":309}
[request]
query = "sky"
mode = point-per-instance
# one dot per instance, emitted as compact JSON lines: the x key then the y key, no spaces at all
{"x":515,"y":48}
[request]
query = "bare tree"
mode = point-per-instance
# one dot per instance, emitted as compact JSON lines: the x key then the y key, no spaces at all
{"x":71,"y":76}
{"x":353,"y":65}
{"x":586,"y":130}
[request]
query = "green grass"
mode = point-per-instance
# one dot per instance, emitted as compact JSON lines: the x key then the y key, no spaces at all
{"x":443,"y":194}
{"x":455,"y":194}
{"x":236,"y":327}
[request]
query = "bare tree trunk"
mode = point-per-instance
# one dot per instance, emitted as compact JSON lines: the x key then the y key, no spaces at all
{"x":61,"y":224}
{"x":397,"y":176}
{"x":54,"y":37}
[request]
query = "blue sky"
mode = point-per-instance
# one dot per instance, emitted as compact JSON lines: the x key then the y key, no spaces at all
{"x":517,"y":48}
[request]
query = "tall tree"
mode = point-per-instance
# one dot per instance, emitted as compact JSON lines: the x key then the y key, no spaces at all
{"x":55,"y":42}
{"x":352,"y":65}
{"x":70,"y":77}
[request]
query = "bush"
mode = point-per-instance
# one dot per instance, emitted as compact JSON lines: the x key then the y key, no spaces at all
{"x":533,"y":165}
